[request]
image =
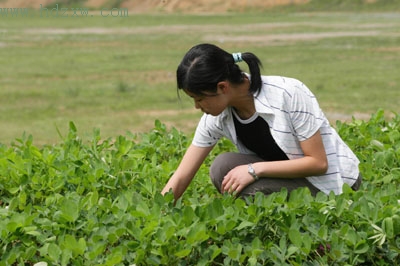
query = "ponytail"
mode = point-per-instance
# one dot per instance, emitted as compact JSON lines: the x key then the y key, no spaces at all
{"x":254,"y":65}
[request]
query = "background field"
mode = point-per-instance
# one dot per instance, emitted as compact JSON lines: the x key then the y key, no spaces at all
{"x":118,"y":74}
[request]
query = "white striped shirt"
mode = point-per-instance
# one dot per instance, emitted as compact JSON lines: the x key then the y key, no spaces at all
{"x":293,"y":115}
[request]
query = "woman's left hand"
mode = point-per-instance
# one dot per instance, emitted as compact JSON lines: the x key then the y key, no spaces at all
{"x":236,"y":180}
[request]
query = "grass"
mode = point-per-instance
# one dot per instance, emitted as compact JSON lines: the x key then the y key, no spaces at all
{"x":118,"y":74}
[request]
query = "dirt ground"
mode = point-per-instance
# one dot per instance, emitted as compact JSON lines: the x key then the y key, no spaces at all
{"x":190,"y":6}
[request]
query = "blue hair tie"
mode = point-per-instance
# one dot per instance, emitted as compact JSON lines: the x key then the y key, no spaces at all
{"x":237,"y":57}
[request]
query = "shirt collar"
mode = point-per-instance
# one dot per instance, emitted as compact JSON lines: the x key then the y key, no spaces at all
{"x":261,"y":100}
{"x":262,"y":104}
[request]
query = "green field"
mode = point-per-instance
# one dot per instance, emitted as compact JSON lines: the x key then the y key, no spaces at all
{"x":92,"y":196}
{"x":118,"y":74}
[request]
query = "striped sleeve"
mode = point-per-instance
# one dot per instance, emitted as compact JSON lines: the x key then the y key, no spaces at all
{"x":207,"y":132}
{"x":306,"y":115}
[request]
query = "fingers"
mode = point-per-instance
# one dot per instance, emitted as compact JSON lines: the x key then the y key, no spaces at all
{"x":234,"y":187}
{"x":230,"y":185}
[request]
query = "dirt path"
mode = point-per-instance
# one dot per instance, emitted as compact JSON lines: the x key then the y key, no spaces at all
{"x":365,"y":29}
{"x":240,"y":33}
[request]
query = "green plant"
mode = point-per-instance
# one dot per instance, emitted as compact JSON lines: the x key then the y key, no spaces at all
{"x":99,"y":203}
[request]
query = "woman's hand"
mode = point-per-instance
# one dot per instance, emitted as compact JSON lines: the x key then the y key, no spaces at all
{"x":236,"y":180}
{"x":191,"y":161}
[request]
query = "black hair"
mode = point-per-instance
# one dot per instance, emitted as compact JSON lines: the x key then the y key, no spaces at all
{"x":205,"y":65}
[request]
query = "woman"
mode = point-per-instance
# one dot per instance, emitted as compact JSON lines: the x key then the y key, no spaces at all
{"x":283,"y":138}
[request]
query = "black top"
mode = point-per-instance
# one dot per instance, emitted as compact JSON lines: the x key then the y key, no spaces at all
{"x":255,"y":134}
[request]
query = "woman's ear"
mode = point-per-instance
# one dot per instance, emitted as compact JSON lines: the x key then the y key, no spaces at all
{"x":223,"y":86}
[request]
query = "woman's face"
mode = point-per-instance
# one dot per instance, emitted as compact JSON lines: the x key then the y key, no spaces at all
{"x":210,"y":103}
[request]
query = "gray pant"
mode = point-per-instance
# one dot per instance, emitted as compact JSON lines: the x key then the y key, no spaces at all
{"x":227,"y":161}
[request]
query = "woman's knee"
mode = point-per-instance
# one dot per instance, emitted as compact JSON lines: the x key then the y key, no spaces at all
{"x":219,"y":168}
{"x":221,"y":161}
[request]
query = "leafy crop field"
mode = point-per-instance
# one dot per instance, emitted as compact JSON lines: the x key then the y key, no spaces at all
{"x":87,"y":192}
{"x":97,"y":202}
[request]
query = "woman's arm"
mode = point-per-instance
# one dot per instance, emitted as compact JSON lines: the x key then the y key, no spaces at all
{"x":313,"y":163}
{"x":186,"y":170}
